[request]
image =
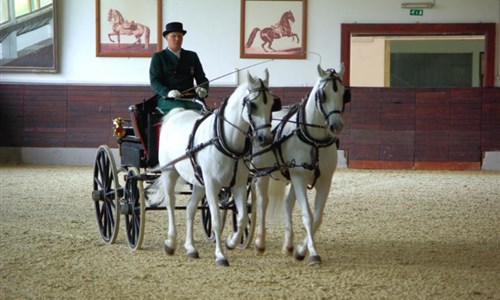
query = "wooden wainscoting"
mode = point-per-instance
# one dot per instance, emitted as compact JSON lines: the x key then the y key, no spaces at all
{"x":390,"y":128}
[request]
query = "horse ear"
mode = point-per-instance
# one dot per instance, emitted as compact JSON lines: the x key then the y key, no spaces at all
{"x":266,"y":77}
{"x":250,"y":79}
{"x":342,"y":69}
{"x":321,"y":72}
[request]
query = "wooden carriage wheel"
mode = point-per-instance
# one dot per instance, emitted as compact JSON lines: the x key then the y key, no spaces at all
{"x":133,"y":208}
{"x":106,"y":194}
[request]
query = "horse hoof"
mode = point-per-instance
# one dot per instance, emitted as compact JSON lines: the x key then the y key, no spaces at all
{"x":314,"y":260}
{"x":168,"y":250}
{"x":222,"y":263}
{"x":260,"y":250}
{"x":194,"y":255}
{"x":288,"y":250}
{"x":229,"y":247}
{"x":298,"y":256}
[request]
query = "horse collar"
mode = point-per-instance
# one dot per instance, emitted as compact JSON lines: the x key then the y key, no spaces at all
{"x":219,"y":141}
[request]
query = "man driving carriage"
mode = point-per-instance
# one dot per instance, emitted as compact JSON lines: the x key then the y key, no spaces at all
{"x":173,"y":70}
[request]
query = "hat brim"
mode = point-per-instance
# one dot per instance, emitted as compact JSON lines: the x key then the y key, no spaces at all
{"x":169,"y":31}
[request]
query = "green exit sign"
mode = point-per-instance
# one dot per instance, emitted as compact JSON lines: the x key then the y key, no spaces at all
{"x":416,"y":12}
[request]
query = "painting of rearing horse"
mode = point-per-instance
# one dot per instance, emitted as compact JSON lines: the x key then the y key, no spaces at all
{"x":121,"y":26}
{"x":280,"y":30}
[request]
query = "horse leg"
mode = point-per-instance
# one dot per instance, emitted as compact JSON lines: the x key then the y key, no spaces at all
{"x":194,"y":200}
{"x":289,"y":205}
{"x":295,"y":36}
{"x":270,"y":44}
{"x":110,"y":34}
{"x":299,"y":186}
{"x":240,"y":198}
{"x":138,"y":39}
{"x":169,"y":178}
{"x":213,"y":203}
{"x":261,"y":187}
{"x":322,"y":189}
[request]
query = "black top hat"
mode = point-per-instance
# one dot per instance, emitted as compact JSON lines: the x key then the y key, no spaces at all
{"x":174,"y":27}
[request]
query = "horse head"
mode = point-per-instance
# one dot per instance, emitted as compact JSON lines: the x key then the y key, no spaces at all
{"x":289,"y":16}
{"x":110,"y":14}
{"x":330,"y":98}
{"x":259,"y":104}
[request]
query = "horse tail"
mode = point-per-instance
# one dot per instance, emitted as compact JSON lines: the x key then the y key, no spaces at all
{"x":146,"y":37}
{"x":157,"y":193}
{"x":252,"y":37}
{"x":277,"y":195}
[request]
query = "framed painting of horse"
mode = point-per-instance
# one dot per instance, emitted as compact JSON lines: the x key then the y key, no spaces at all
{"x":128,"y":28}
{"x":273,"y":29}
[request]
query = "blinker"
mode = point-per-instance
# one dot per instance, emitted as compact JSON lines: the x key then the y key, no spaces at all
{"x":276,"y":104}
{"x":347,"y":96}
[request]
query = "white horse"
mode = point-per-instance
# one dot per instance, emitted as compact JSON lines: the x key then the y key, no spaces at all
{"x":121,"y":26}
{"x":304,"y":152}
{"x":215,"y":145}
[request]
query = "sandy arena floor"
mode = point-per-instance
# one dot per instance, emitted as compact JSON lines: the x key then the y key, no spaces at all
{"x":386,"y":235}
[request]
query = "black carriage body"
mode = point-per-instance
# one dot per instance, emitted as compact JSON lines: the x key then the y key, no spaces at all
{"x":139,"y":146}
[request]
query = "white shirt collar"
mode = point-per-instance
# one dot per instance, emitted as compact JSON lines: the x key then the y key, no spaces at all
{"x":178,"y":53}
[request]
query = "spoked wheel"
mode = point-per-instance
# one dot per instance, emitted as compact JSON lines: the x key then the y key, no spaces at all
{"x":106,"y":194}
{"x":206,"y":221}
{"x":246,"y":238}
{"x":206,"y":216}
{"x":133,"y":208}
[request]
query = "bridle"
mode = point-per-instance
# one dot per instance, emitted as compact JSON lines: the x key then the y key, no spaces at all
{"x":320,"y":94}
{"x":251,"y":106}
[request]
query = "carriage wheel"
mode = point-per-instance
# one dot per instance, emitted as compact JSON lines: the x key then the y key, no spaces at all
{"x":133,"y":208}
{"x":248,"y":232}
{"x":106,"y":194}
{"x":206,"y":219}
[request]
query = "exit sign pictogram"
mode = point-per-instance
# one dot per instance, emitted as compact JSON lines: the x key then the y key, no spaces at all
{"x":416,"y":12}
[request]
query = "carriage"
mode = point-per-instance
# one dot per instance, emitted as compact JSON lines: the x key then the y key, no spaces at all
{"x":300,"y":149}
{"x":123,"y":191}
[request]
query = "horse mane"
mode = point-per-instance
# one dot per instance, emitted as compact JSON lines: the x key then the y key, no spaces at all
{"x":119,"y":17}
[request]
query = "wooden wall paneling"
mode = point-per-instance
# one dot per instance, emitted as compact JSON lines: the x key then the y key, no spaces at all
{"x":45,"y":116}
{"x":490,"y":120}
{"x":11,"y":115}
{"x":465,"y":125}
{"x":345,"y":136}
{"x":364,"y":139}
{"x":397,"y":124}
{"x":89,"y":116}
{"x":432,"y":125}
{"x":295,"y":95}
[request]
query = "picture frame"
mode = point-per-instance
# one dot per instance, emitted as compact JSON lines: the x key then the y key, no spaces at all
{"x":273,"y":29}
{"x":128,"y":28}
{"x":29,"y":41}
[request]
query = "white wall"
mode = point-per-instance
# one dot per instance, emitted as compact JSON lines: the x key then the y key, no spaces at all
{"x":213,"y":31}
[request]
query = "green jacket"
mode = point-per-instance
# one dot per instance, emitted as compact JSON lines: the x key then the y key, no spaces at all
{"x":166,"y":72}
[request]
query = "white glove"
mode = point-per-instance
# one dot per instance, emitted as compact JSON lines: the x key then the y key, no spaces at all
{"x":174,"y":94}
{"x":201,"y":92}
